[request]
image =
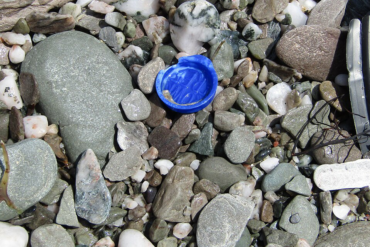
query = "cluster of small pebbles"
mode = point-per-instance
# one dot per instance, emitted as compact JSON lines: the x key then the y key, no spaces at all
{"x":92,"y":157}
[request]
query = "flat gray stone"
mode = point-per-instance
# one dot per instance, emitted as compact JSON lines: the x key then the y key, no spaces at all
{"x":239,"y":144}
{"x":173,"y":197}
{"x":183,"y":125}
{"x":299,"y":186}
{"x":223,"y":60}
{"x":277,"y":178}
{"x":222,"y":221}
{"x":33,"y":172}
{"x":354,"y":234}
{"x":348,"y":175}
{"x":328,"y":13}
{"x":51,"y":235}
{"x":67,"y":213}
{"x":148,"y":73}
{"x":308,"y":225}
{"x":221,"y":172}
{"x":265,"y":10}
{"x":136,"y":106}
{"x":80,"y":90}
{"x":203,"y":145}
{"x":245,"y":239}
{"x":54,"y":194}
{"x":132,"y":135}
{"x":227,"y":121}
{"x":92,"y":199}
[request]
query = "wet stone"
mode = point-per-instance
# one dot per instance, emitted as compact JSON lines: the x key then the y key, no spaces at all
{"x":51,"y":235}
{"x":67,"y":213}
{"x":92,"y":199}
{"x":136,"y":106}
{"x":207,"y":187}
{"x":166,"y":141}
{"x":239,"y":144}
{"x":183,"y":125}
{"x":158,"y":230}
{"x":203,"y":145}
{"x":176,"y":189}
{"x":49,"y":22}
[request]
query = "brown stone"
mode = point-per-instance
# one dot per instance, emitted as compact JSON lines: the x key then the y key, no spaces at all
{"x":329,"y":91}
{"x":183,"y":125}
{"x":209,"y":188}
{"x":173,"y":197}
{"x":197,"y":203}
{"x":150,"y":154}
{"x":50,"y":22}
{"x":28,"y":88}
{"x":225,"y":99}
{"x":54,"y":142}
{"x":315,"y":51}
{"x":137,"y":213}
{"x":185,"y":159}
{"x":166,"y":141}
{"x":91,"y":23}
{"x":328,"y":13}
{"x":16,"y":125}
{"x":267,"y":212}
{"x":154,"y":178}
{"x":157,"y":114}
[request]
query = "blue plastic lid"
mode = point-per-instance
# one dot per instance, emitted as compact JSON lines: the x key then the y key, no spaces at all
{"x":188,"y":86}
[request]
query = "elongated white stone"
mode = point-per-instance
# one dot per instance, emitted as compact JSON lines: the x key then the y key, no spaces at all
{"x":133,"y":238}
{"x":355,"y":174}
{"x":13,"y":38}
{"x":276,"y":97}
{"x":9,"y":93}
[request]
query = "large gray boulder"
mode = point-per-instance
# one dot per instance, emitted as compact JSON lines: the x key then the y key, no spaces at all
{"x":81,"y":84}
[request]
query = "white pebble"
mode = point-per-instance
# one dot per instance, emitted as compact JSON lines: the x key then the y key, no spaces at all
{"x":280,"y":17}
{"x":35,"y":126}
{"x":271,"y":196}
{"x":145,"y":218}
{"x":9,"y":93}
{"x":341,"y":80}
{"x":159,"y":25}
{"x":131,"y":7}
{"x":12,"y":236}
{"x":144,"y":186}
{"x":260,"y":134}
{"x":101,"y":7}
{"x":37,"y":37}
{"x":219,"y":90}
{"x":340,"y":211}
{"x":11,"y":72}
{"x":331,"y":228}
{"x":131,"y":50}
{"x":243,"y":188}
{"x":307,"y":5}
{"x":129,"y":203}
{"x":257,"y":198}
{"x":16,"y":54}
{"x":269,"y":164}
{"x":133,"y":238}
{"x":263,"y":77}
{"x":83,"y":3}
{"x":295,"y":159}
{"x":140,"y":200}
{"x":164,"y":166}
{"x":104,"y":242}
{"x":138,"y":176}
{"x":13,"y":38}
{"x":341,"y":195}
{"x":181,"y":230}
{"x":298,"y":17}
{"x":306,"y":100}
{"x":52,"y":129}
{"x":276,"y":97}
{"x":253,"y":29}
{"x":195,"y":164}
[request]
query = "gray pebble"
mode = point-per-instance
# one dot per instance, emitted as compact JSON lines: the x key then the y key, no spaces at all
{"x":136,"y":106}
{"x":51,"y":235}
{"x":239,"y":144}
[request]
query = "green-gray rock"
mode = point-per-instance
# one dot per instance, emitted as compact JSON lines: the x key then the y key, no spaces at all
{"x":260,"y":99}
{"x":21,"y":26}
{"x":54,"y":194}
{"x":278,"y":177}
{"x":248,"y":106}
{"x":144,"y":43}
{"x":203,"y":145}
{"x":70,"y":90}
{"x":261,"y":48}
{"x":299,"y":185}
{"x":115,"y":19}
{"x":274,"y":236}
{"x":239,"y":144}
{"x":222,"y":58}
{"x":168,"y":242}
{"x":167,"y":53}
{"x":245,"y":239}
{"x":67,"y":213}
{"x":158,"y":230}
{"x":255,"y":225}
{"x":129,"y":30}
{"x":33,"y":172}
{"x":51,"y":235}
{"x":308,"y":225}
{"x":221,"y":172}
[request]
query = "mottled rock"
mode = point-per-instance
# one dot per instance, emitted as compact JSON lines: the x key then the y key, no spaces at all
{"x":67,"y":213}
{"x":33,"y":172}
{"x":281,"y":175}
{"x":92,"y":199}
{"x":115,"y":19}
{"x":148,"y":73}
{"x":227,"y":121}
{"x":90,"y":23}
{"x":203,"y":145}
{"x":222,"y":58}
{"x":166,"y":141}
{"x":329,"y":91}
{"x":132,"y":135}
{"x":221,"y":223}
{"x":239,"y":144}
{"x":328,"y":13}
{"x":265,"y":10}
{"x":108,"y":35}
{"x":51,"y":235}
{"x":173,"y":197}
{"x":267,"y":213}
{"x":207,"y":187}
{"x":183,"y":125}
{"x":4,"y":54}
{"x":157,"y":114}
{"x":136,"y":106}
{"x":221,"y":172}
{"x":307,"y":227}
{"x":315,"y":51}
{"x":49,"y":22}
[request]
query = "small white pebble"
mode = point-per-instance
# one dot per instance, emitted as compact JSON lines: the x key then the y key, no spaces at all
{"x":11,"y":72}
{"x":13,"y":38}
{"x":140,"y":200}
{"x":219,"y":90}
{"x":181,"y":230}
{"x":120,"y":39}
{"x":52,"y":129}
{"x":12,"y":236}
{"x":144,"y":186}
{"x":306,"y":100}
{"x":16,"y":54}
{"x":133,"y":238}
{"x":101,"y":7}
{"x":261,"y":85}
{"x":145,"y":218}
{"x":269,"y":164}
{"x":307,"y":5}
{"x":340,"y":211}
{"x":295,"y":159}
{"x":271,"y":196}
{"x":9,"y":93}
{"x":341,"y":80}
{"x":259,"y":134}
{"x":35,"y":126}
{"x":129,"y":203}
{"x":195,"y":164}
{"x":331,"y":228}
{"x":37,"y":37}
{"x":83,"y":3}
{"x":164,"y":166}
{"x":138,"y":176}
{"x":341,"y":195}
{"x":243,"y":188}
{"x":280,"y":17}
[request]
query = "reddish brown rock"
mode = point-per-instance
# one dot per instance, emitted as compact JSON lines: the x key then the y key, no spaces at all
{"x":49,"y":22}
{"x":315,"y":51}
{"x":183,"y":125}
{"x":166,"y":141}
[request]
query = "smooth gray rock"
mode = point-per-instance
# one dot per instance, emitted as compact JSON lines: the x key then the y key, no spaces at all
{"x":299,"y":185}
{"x":183,"y":125}
{"x":54,"y":194}
{"x":136,"y":106}
{"x":225,"y":99}
{"x":173,"y":197}
{"x":108,"y":35}
{"x":132,"y":135}
{"x":80,"y":89}
{"x":222,"y":221}
{"x":261,"y":48}
{"x":51,"y":235}
{"x":265,"y":10}
{"x":307,"y":227}
{"x":327,"y":13}
{"x":221,"y":172}
{"x":92,"y":199}
{"x":282,"y":238}
{"x":227,"y":121}
{"x":354,"y":234}
{"x":239,"y":144}
{"x":203,"y":145}
{"x":67,"y":213}
{"x":223,"y":60}
{"x":148,"y":73}
{"x":278,"y":177}
{"x":33,"y":172}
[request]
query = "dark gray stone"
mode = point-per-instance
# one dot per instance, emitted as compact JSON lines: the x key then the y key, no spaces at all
{"x":183,"y":125}
{"x":239,"y":144}
{"x":81,"y":95}
{"x":204,"y":144}
{"x":4,"y":126}
{"x":166,"y":141}
{"x":278,"y":177}
{"x":221,"y":172}
{"x":167,"y":53}
{"x":326,"y":207}
{"x":328,"y":13}
{"x":33,"y":172}
{"x":255,"y":225}
{"x":51,"y":235}
{"x":245,"y":239}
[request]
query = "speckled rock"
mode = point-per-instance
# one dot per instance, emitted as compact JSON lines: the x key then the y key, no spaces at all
{"x":67,"y":213}
{"x":183,"y":125}
{"x":132,"y":135}
{"x":261,"y":48}
{"x":223,"y":60}
{"x":227,"y":121}
{"x":279,"y":237}
{"x":239,"y":144}
{"x":299,"y":186}
{"x":203,"y":145}
{"x":136,"y":106}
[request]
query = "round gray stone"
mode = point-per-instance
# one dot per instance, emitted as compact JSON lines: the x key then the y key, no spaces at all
{"x":239,"y":144}
{"x":278,"y":177}
{"x":81,"y":83}
{"x":33,"y":172}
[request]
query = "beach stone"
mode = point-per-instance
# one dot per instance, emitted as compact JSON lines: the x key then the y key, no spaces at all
{"x":221,"y":172}
{"x":70,"y":9}
{"x":89,"y":22}
{"x":328,"y":13}
{"x":255,"y":225}
{"x":265,"y":10}
{"x":67,"y":213}
{"x":183,"y":125}
{"x":158,"y":230}
{"x":283,"y":72}
{"x":13,"y":236}
{"x":248,"y":106}
{"x":227,"y":121}
{"x":167,"y":53}
{"x":185,"y":159}
{"x":279,"y":237}
{"x":334,"y":153}
{"x":39,"y":22}
{"x":4,"y":54}
{"x":299,"y":186}
{"x":157,"y":114}
{"x":203,"y":145}
{"x":132,"y":135}
{"x":223,"y":60}
{"x":222,"y":221}
{"x":267,"y":213}
{"x":278,"y":177}
{"x":33,"y":172}
{"x":51,"y":235}
{"x":210,"y":189}
{"x":173,"y":197}
{"x":29,"y":88}
{"x":193,"y":135}
{"x":315,"y":51}
{"x":92,"y":198}
{"x":54,"y":194}
{"x":239,"y":144}
{"x":42,"y":216}
{"x":123,"y":164}
{"x":197,"y":203}
{"x":329,"y":91}
{"x":308,"y":226}
{"x":115,"y":19}
{"x":225,"y":100}
{"x":148,"y":73}
{"x":100,"y":7}
{"x":326,"y":207}
{"x":136,"y":106}
{"x":168,"y":242}
{"x":108,"y":35}
{"x":354,"y":234}
{"x":245,"y":239}
{"x":66,"y":90}
{"x":4,"y":126}
{"x":342,"y":176}
{"x":261,"y":48}
{"x":166,"y":141}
